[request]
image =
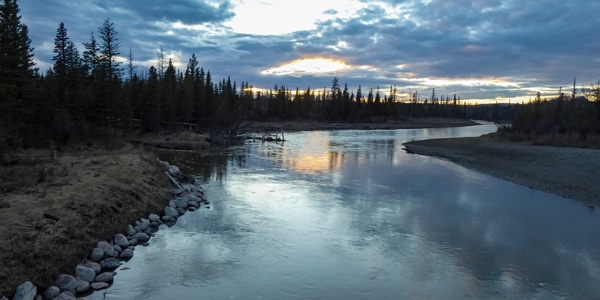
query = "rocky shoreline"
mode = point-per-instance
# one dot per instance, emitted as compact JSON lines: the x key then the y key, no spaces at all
{"x":97,"y":270}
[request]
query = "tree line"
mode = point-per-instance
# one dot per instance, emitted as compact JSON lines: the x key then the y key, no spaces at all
{"x":563,"y":120}
{"x":90,"y":94}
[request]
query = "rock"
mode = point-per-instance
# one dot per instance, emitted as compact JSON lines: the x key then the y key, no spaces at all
{"x":193,"y":204}
{"x":191,"y":208}
{"x":121,"y":240}
{"x":85,"y":273}
{"x":172,"y":204}
{"x":181,"y":211}
{"x":177,"y":192}
{"x":66,"y":295}
{"x":141,"y":236}
{"x":118,"y":248}
{"x":167,"y":219}
{"x":97,"y":254}
{"x":141,"y":224}
{"x":155,"y":224}
{"x":107,"y":247}
{"x":130,"y":230}
{"x":111,"y":263}
{"x":4,"y":298}
{"x":133,"y":241}
{"x":192,"y":197}
{"x":93,"y":265}
{"x":104,"y":277}
{"x":148,"y":231}
{"x":181,"y":202}
{"x":25,"y":291}
{"x":153,"y":218}
{"x":66,"y":282}
{"x":171,"y":212}
{"x":99,"y":285}
{"x":127,"y":254}
{"x":82,"y":286}
{"x":51,"y":292}
{"x":206,"y":202}
{"x":207,"y":206}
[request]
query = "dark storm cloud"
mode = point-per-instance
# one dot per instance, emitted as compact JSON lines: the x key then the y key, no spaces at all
{"x":531,"y":43}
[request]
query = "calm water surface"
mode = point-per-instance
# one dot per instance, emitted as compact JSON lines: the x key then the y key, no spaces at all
{"x":350,"y":215}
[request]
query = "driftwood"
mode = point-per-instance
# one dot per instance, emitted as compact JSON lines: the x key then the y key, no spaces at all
{"x":173,"y":180}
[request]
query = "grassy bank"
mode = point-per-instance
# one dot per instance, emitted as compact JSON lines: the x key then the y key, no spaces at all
{"x":56,"y":205}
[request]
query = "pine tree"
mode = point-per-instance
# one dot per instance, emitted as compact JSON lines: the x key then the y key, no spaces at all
{"x":16,"y":67}
{"x":109,"y":50}
{"x":67,"y":69}
{"x":91,"y":56}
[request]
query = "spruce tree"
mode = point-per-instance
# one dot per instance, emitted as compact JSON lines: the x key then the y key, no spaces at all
{"x":16,"y":67}
{"x":68,"y":69}
{"x":91,"y":56}
{"x":109,"y":50}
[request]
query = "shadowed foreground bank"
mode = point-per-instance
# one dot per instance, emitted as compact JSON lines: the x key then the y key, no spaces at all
{"x":54,"y":208}
{"x":564,"y":171}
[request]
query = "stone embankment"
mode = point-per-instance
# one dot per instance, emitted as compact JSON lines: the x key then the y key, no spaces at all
{"x":97,"y":270}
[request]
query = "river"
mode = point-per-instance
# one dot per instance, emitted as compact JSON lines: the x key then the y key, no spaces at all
{"x":350,"y":215}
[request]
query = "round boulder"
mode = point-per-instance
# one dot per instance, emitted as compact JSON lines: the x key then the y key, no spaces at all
{"x":85,"y":273}
{"x":121,"y":240}
{"x":153,"y":218}
{"x":66,"y":295}
{"x":93,"y":265}
{"x":127,"y":254}
{"x":96,"y":254}
{"x":130,"y":230}
{"x":181,"y":202}
{"x":51,"y":292}
{"x":82,"y":286}
{"x":141,"y":236}
{"x":66,"y":282}
{"x":99,"y":285}
{"x":104,"y":277}
{"x":111,"y":263}
{"x":171,"y":212}
{"x":25,"y":291}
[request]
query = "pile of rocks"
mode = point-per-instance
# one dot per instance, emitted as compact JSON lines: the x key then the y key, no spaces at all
{"x":96,"y":272}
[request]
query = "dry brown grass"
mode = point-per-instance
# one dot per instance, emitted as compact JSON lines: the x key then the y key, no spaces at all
{"x":52,"y":212}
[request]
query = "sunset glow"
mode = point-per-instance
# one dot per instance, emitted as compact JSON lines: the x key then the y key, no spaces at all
{"x":309,"y":66}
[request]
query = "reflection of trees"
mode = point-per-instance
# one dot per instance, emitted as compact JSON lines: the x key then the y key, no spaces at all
{"x":207,"y":165}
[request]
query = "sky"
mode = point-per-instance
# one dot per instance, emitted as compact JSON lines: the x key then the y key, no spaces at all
{"x":486,"y":50}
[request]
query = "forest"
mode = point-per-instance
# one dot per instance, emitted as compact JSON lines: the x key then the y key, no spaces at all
{"x":93,"y":96}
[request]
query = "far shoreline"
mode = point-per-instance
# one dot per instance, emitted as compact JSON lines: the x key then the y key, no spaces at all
{"x":410,"y":123}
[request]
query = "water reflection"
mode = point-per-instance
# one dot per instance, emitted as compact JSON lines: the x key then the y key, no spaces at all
{"x":348,"y":214}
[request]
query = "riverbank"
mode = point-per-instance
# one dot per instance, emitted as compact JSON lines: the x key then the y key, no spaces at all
{"x":564,"y":171}
{"x":409,"y":123}
{"x":56,"y":206}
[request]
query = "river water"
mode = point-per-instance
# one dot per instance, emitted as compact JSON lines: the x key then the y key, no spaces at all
{"x":350,"y":215}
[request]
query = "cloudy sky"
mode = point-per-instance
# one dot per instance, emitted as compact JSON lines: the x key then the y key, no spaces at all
{"x":486,"y":49}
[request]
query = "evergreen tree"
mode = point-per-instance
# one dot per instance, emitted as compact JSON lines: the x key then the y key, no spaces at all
{"x":91,"y":56}
{"x":16,"y":67}
{"x":67,"y":69}
{"x":109,"y":50}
